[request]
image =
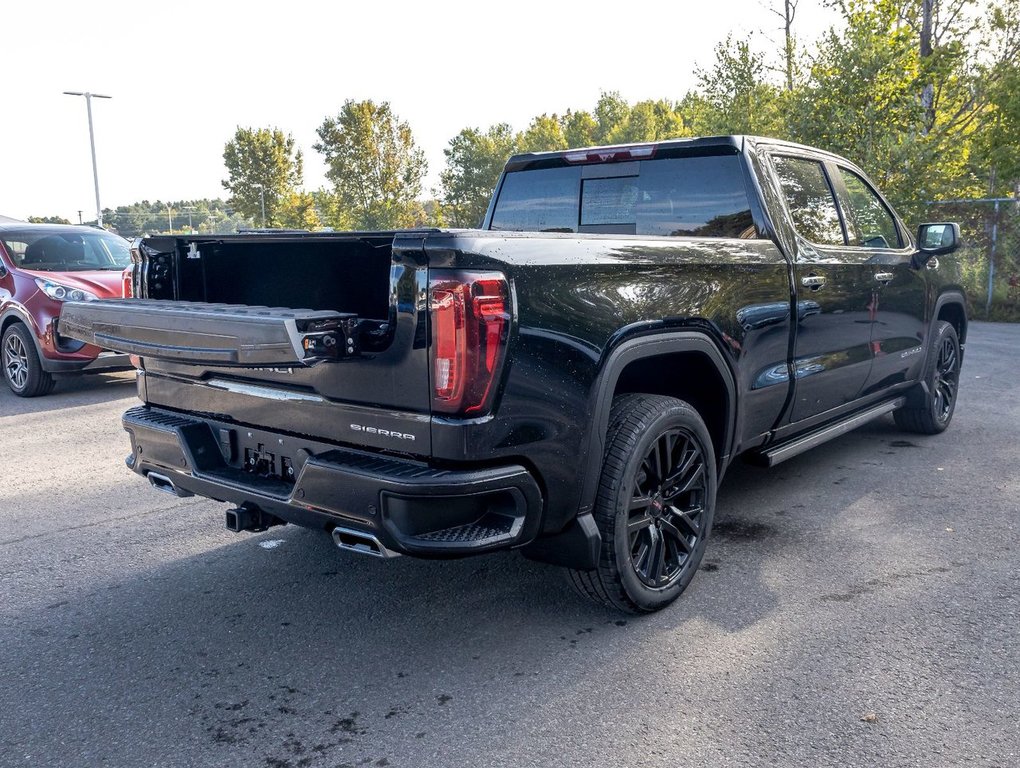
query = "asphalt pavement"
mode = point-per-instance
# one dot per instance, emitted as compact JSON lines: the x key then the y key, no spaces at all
{"x":858,"y":606}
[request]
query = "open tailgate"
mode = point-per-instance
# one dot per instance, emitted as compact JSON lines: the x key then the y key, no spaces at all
{"x":219,"y":334}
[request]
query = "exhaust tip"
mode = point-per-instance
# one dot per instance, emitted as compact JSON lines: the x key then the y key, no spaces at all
{"x":362,"y":543}
{"x":165,"y":484}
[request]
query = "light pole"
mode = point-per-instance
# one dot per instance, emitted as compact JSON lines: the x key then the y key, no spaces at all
{"x":92,"y":141}
{"x":262,"y":198}
{"x":189,"y":209}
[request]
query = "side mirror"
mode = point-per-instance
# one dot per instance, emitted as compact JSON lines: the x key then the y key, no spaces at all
{"x":3,"y":270}
{"x":935,"y":240}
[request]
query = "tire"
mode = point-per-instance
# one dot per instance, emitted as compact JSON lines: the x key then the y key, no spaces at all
{"x":22,"y":370}
{"x":930,"y":409}
{"x":653,"y":532}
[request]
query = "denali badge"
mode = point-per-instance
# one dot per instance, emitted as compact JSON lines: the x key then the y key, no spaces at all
{"x":382,"y":432}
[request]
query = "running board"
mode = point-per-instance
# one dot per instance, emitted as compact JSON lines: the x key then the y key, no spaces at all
{"x":781,"y":453}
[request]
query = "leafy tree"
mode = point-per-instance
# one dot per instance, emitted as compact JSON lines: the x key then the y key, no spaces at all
{"x":580,"y":129}
{"x":649,"y":121}
{"x":264,"y":167}
{"x":298,"y":211}
{"x":862,"y":99}
{"x":145,"y":217}
{"x":545,"y":134}
{"x":474,"y":161}
{"x":734,"y":95}
{"x":375,"y":167}
{"x":47,"y":220}
{"x":611,"y":114}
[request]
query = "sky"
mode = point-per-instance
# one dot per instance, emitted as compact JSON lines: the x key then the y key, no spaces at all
{"x":184,"y":76}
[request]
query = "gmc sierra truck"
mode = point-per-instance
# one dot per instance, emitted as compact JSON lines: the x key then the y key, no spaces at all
{"x":571,"y":380}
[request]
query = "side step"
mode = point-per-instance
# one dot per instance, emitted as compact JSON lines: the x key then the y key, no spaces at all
{"x":781,"y":453}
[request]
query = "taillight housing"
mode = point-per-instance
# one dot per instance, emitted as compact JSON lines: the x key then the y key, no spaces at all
{"x":470,"y":318}
{"x":125,"y":283}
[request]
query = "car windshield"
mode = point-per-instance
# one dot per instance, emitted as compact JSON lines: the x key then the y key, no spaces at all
{"x":74,"y":251}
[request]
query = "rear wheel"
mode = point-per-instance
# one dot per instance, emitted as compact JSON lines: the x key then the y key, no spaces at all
{"x":930,"y":409}
{"x":22,"y":370}
{"x":655,"y":504}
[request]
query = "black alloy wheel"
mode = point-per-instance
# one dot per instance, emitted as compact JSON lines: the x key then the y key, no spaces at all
{"x":654,"y":505}
{"x":947,"y":378}
{"x":667,"y":508}
{"x":929,"y":408}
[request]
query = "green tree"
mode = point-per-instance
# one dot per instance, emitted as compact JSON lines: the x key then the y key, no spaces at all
{"x":298,"y":211}
{"x":544,"y":134}
{"x":474,"y":161}
{"x":862,"y":99}
{"x":375,"y":167}
{"x":264,"y":167}
{"x":47,"y":220}
{"x":580,"y":129}
{"x":735,"y":95}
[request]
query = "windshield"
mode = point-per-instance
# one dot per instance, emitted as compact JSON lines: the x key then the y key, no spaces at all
{"x":51,"y":251}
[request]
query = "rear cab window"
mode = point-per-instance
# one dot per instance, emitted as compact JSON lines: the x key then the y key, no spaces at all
{"x":696,"y":196}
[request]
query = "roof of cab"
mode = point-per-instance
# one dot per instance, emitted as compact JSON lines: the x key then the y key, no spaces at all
{"x":735,"y":142}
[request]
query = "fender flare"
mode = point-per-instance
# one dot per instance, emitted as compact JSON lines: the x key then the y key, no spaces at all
{"x":619,"y":358}
{"x":946,"y":299}
{"x":25,"y":319}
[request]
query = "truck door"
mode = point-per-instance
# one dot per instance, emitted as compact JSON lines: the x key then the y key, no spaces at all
{"x":834,"y":282}
{"x":898,"y":290}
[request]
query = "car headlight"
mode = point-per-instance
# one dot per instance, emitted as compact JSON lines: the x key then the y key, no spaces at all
{"x":62,"y":292}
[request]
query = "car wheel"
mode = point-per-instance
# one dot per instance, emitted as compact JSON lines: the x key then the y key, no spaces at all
{"x":654,"y":507}
{"x":929,"y":409}
{"x":22,"y":370}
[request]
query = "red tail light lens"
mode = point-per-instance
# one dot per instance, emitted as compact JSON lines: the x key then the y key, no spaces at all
{"x":125,"y":283}
{"x":470,"y":314}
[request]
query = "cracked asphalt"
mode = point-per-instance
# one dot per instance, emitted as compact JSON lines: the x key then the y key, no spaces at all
{"x":858,"y":605}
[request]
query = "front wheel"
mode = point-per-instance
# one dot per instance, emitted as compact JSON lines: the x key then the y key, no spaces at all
{"x":22,"y":370}
{"x":655,"y":504}
{"x":930,"y":408}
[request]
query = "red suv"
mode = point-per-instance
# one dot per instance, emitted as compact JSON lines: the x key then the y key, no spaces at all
{"x":42,"y":266}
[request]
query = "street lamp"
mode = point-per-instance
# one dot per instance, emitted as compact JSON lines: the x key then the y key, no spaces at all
{"x":92,"y":141}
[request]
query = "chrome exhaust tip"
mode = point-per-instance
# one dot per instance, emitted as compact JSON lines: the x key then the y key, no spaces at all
{"x":165,"y":484}
{"x":362,"y":543}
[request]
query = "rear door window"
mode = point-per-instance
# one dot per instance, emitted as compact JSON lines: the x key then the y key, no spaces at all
{"x":810,"y":200}
{"x":683,"y":196}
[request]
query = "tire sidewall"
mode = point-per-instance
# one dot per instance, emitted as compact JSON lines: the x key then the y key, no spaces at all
{"x":651,"y":598}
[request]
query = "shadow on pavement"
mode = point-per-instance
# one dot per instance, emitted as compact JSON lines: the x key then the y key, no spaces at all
{"x":70,"y":391}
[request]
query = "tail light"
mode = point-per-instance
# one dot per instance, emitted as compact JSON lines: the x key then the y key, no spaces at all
{"x":470,"y":315}
{"x":125,"y":283}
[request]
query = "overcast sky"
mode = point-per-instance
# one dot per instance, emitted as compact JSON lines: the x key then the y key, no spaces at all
{"x":184,"y":75}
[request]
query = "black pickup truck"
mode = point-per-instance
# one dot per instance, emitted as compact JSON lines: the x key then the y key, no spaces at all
{"x":571,"y":380}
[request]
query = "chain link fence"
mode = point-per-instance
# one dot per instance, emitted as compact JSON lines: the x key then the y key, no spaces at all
{"x":990,"y":255}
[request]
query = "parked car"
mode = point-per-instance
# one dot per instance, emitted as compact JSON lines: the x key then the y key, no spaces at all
{"x":41,"y":267}
{"x":571,"y":380}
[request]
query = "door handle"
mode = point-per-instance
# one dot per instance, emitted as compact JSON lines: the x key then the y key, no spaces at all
{"x":884,"y":277}
{"x":814,"y":282}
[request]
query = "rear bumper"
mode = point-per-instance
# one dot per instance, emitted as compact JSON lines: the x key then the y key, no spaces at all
{"x":409,"y":507}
